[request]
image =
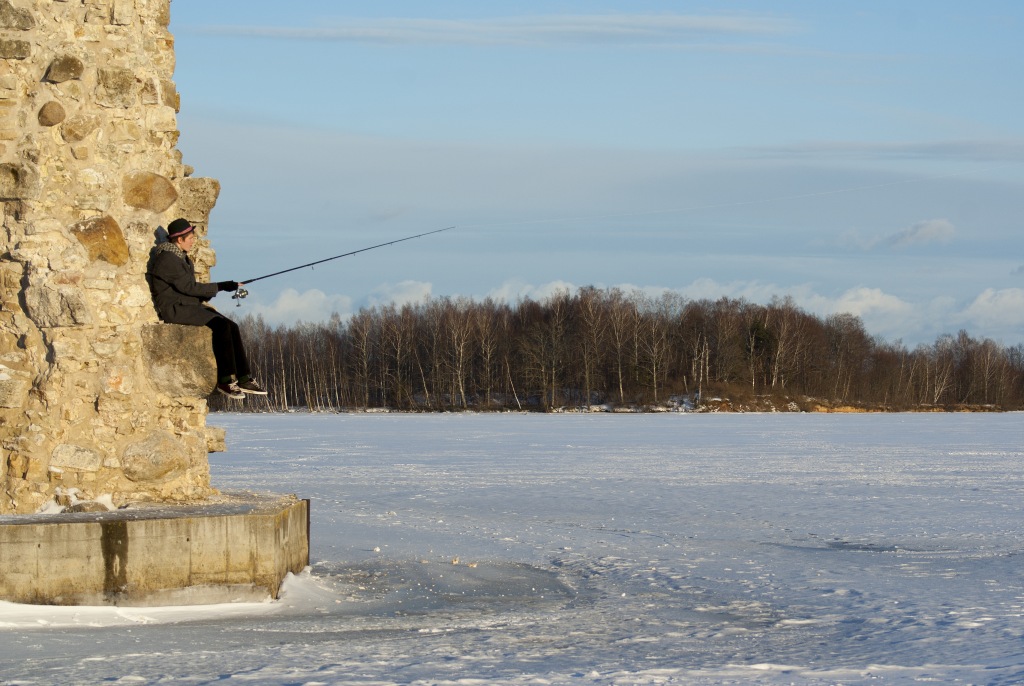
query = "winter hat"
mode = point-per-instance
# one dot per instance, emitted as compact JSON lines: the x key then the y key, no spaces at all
{"x":179,"y":228}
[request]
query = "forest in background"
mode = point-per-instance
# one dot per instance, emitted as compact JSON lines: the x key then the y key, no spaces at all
{"x":608,"y":349}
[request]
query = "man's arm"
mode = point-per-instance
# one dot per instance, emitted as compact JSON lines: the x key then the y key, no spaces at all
{"x":176,"y":273}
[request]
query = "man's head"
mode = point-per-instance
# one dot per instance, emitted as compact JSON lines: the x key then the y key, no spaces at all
{"x":181,"y":233}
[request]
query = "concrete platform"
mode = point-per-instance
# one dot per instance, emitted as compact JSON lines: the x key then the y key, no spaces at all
{"x":237,"y":546}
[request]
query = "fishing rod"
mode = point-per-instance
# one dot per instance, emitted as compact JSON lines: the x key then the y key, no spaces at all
{"x":241,"y":292}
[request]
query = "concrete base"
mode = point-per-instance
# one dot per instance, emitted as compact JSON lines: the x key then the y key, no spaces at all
{"x":233,"y":547}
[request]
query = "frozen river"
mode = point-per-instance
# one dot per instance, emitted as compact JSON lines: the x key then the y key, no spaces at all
{"x":598,"y":549}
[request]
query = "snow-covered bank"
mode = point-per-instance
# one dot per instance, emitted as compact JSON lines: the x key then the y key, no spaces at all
{"x":600,"y":549}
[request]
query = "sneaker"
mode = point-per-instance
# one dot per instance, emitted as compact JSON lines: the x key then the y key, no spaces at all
{"x":250,"y":386}
{"x":231,"y":390}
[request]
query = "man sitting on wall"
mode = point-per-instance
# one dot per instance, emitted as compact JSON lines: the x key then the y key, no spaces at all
{"x":180,"y":299}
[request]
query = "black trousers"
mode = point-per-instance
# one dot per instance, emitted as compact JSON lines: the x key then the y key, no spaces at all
{"x":228,"y":348}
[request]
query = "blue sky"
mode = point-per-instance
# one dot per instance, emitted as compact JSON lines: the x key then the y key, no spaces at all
{"x":860,"y":157}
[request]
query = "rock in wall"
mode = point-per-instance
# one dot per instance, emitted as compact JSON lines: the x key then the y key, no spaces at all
{"x":89,"y":394}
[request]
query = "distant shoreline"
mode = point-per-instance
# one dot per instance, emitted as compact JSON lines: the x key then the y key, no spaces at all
{"x":721,"y":407}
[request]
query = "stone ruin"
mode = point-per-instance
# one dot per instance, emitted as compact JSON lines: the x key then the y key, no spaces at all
{"x":98,"y":400}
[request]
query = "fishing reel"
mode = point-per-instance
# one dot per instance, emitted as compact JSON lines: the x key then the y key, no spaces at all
{"x":239,"y":294}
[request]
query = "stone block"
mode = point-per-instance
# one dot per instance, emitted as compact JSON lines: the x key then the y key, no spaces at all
{"x":150,"y":92}
{"x":124,"y":131}
{"x":118,"y":380}
{"x":161,"y":119}
{"x":64,"y":68}
{"x":122,"y":13}
{"x":163,"y":15}
{"x":89,"y":506}
{"x":18,"y":182}
{"x":179,"y":359}
{"x":15,"y":49}
{"x":14,"y":390}
{"x":62,"y":306}
{"x":197,"y":196}
{"x":148,"y":191}
{"x":216,"y":439}
{"x":116,"y":87}
{"x":102,"y":239}
{"x":169,"y":95}
{"x":78,"y":127}
{"x":51,"y":114}
{"x":75,"y":458}
{"x":158,"y":457}
{"x":14,"y":18}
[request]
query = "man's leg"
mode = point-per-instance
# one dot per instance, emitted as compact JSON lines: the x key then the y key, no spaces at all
{"x":241,"y":361}
{"x":224,"y":347}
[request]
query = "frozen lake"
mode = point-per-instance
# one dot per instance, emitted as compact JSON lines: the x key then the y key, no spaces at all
{"x":598,"y":549}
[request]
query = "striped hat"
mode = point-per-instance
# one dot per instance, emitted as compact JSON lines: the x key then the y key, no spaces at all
{"x":179,"y":228}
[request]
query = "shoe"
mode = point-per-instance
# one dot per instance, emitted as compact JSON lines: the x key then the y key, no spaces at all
{"x":250,"y":386}
{"x":231,"y":390}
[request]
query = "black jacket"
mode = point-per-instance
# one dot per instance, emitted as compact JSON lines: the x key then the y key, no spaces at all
{"x":176,"y":294}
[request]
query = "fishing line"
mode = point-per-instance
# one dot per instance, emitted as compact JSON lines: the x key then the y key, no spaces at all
{"x":242,"y":293}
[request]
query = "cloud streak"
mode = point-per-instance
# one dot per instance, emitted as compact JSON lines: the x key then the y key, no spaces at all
{"x":981,"y":150}
{"x":666,"y":30}
{"x":922,"y":233}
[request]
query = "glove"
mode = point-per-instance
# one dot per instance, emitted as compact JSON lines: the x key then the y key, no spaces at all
{"x":227,"y":285}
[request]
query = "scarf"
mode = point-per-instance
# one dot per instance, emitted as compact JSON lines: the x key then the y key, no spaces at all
{"x":173,"y":249}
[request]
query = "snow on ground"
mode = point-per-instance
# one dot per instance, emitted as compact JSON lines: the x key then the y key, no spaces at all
{"x":598,"y":549}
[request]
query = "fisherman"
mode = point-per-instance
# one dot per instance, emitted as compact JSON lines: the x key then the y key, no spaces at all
{"x":179,"y":299}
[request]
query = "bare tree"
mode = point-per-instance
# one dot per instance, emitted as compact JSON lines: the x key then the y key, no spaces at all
{"x":621,"y":325}
{"x":485,"y":331}
{"x":592,"y":318}
{"x":361,"y":332}
{"x":654,"y":325}
{"x":598,"y":344}
{"x":785,"y":320}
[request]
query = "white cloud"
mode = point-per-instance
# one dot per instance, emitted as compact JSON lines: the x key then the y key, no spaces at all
{"x":602,"y":29}
{"x":883,"y":314}
{"x":310,"y":306}
{"x":996,"y":314}
{"x":753,"y":291}
{"x":400,"y":293}
{"x":997,"y":310}
{"x":513,"y":289}
{"x":865,"y":302}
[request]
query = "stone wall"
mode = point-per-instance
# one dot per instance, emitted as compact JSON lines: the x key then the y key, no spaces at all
{"x":89,"y":171}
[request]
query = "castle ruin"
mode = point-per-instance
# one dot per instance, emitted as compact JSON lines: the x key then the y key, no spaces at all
{"x":97,"y":398}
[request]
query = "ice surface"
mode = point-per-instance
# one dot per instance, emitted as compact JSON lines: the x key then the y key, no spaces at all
{"x":598,"y":549}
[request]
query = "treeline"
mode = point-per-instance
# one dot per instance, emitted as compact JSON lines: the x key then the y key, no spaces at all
{"x":608,"y":347}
